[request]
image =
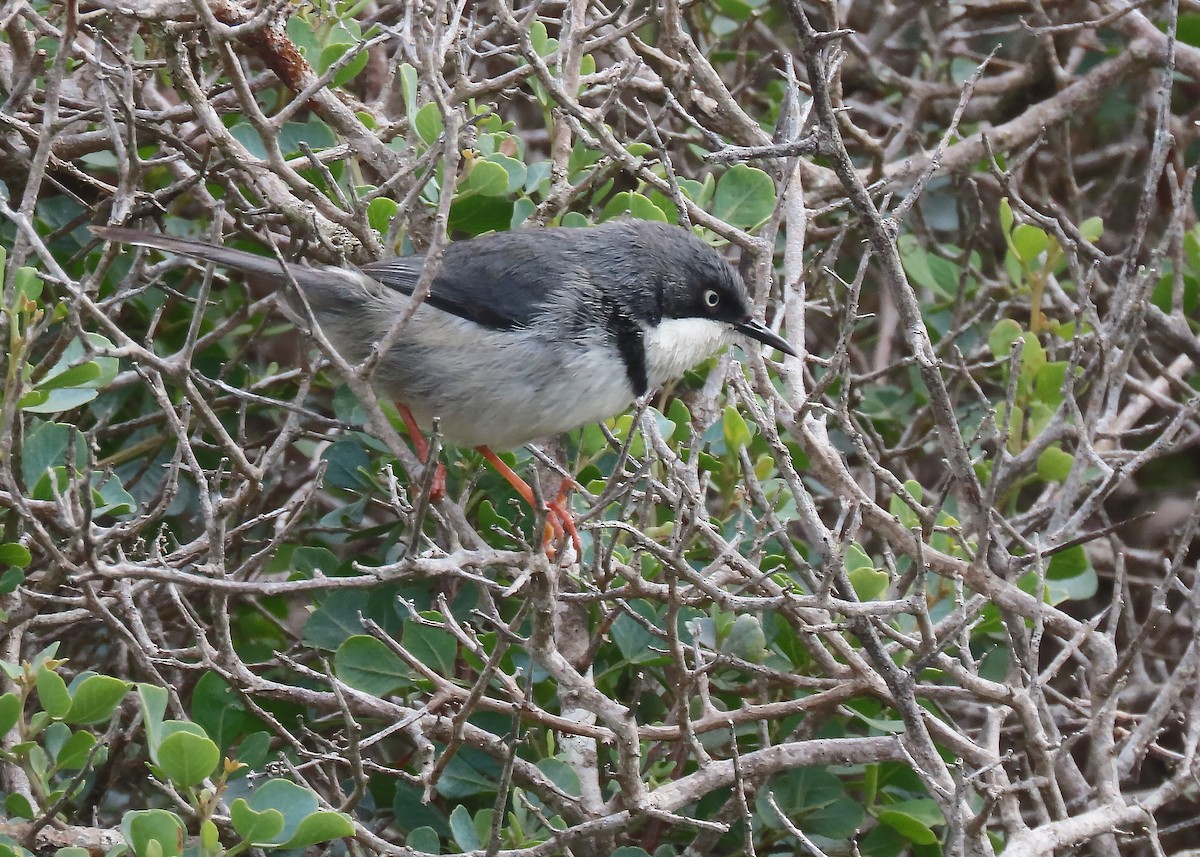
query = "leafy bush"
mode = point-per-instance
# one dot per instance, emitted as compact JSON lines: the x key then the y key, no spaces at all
{"x":900,"y":595}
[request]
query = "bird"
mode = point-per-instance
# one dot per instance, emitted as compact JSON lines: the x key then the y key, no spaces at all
{"x":524,"y":334}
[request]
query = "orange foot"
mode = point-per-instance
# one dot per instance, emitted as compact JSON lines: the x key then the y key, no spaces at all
{"x":438,"y":491}
{"x":559,"y":520}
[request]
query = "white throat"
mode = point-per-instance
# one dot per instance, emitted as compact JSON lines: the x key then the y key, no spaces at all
{"x":675,"y":345}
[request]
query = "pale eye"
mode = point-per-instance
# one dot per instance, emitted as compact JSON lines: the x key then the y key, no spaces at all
{"x":711,"y":298}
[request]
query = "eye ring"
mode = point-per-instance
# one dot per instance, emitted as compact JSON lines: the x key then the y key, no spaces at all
{"x":711,"y":298}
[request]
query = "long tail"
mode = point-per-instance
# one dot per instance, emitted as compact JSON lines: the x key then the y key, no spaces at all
{"x":315,"y":281}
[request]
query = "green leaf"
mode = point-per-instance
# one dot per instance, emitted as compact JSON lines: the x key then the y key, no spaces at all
{"x":187,"y":759}
{"x":1091,"y":229}
{"x":435,"y":648}
{"x":154,"y":708}
{"x":868,"y":581}
{"x":210,"y":837}
{"x":745,"y":197}
{"x":738,"y":10}
{"x":517,"y":171}
{"x":58,"y":401}
{"x":929,"y":270}
{"x":52,"y":692}
{"x":636,"y":644}
{"x":16,"y":805}
{"x":46,"y":447}
{"x":428,"y":124}
{"x":629,"y":204}
{"x":320,"y":827}
{"x":12,"y":553}
{"x":27,"y":283}
{"x":254,"y":749}
{"x":1006,"y":216}
{"x":330,"y":54}
{"x":736,"y":431}
{"x":411,"y":812}
{"x":96,"y":699}
{"x":1069,"y":576}
{"x":73,"y":376}
{"x":367,"y":664}
{"x":486,"y":179}
{"x":1071,"y":562}
{"x":71,"y":370}
{"x":258,"y":828}
{"x":477,"y":214}
{"x":565,"y":776}
{"x":462,"y":828}
{"x":409,"y":88}
{"x":10,"y":712}
{"x":912,"y":819}
{"x":746,"y":639}
{"x":424,"y":839}
{"x":901,"y":510}
{"x":294,"y":802}
{"x":1054,"y":465}
{"x":9,"y":581}
{"x":220,"y":711}
{"x":380,"y":212}
{"x":73,"y":755}
{"x":1002,"y":336}
{"x":1029,"y":242}
{"x":143,"y":827}
{"x":814,"y":800}
{"x":1033,"y":355}
{"x":542,"y":43}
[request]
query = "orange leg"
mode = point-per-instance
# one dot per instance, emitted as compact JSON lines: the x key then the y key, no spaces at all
{"x":559,"y":520}
{"x":438,"y":491}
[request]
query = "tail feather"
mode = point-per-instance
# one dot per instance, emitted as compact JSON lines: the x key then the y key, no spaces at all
{"x":310,"y":279}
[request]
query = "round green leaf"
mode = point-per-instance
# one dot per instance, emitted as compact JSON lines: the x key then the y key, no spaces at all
{"x":366,"y":664}
{"x":629,"y":204}
{"x":16,"y":805}
{"x":320,"y":827}
{"x":746,"y":639}
{"x":187,"y":759}
{"x":380,"y":212}
{"x":1029,"y":242}
{"x":1054,"y":465}
{"x":210,"y":837}
{"x":12,"y":553}
{"x":476,"y":213}
{"x":424,"y":839}
{"x":486,"y":179}
{"x":745,"y":197}
{"x":1002,"y":336}
{"x":868,"y":581}
{"x":517,"y":171}
{"x":293,"y":802}
{"x":435,"y":648}
{"x":143,"y":827}
{"x":259,"y":828}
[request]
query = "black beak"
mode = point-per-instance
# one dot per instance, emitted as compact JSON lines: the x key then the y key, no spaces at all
{"x":764,"y":335}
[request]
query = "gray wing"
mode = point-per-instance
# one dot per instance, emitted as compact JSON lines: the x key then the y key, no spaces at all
{"x":501,"y":282}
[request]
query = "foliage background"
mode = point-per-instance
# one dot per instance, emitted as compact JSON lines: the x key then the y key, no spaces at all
{"x":929,"y":588}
